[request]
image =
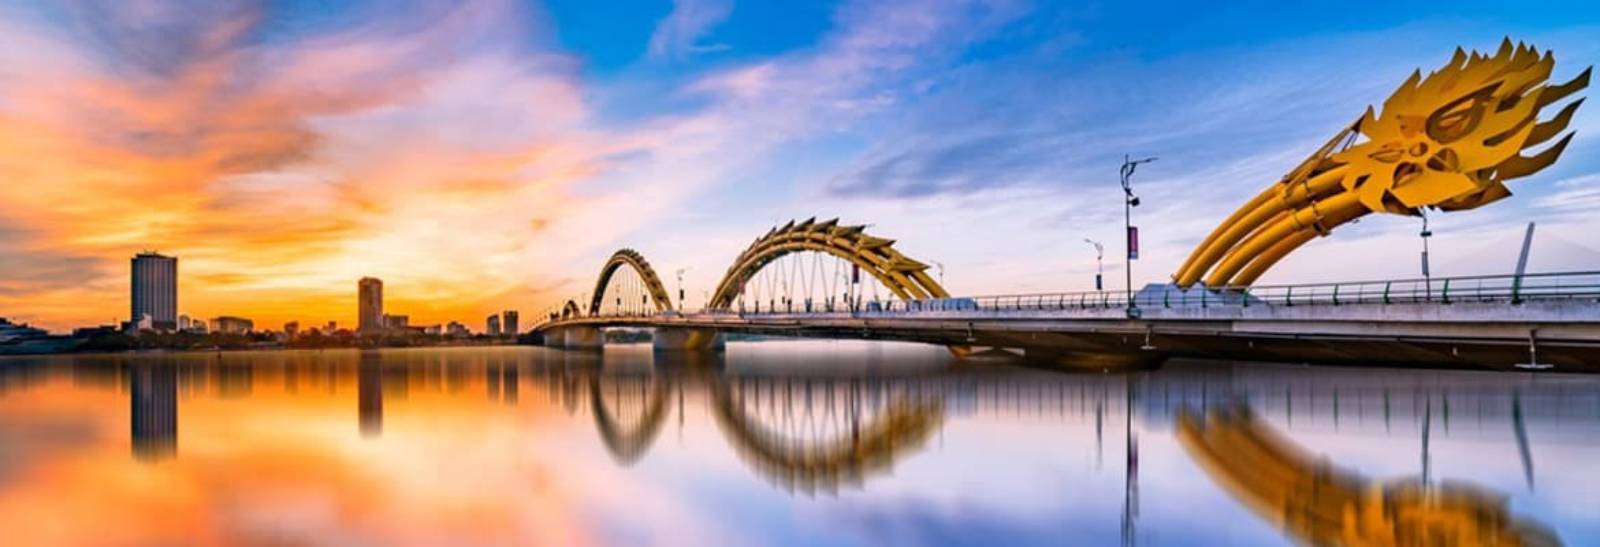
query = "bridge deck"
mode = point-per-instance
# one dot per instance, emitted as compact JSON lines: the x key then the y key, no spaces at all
{"x":1496,"y":335}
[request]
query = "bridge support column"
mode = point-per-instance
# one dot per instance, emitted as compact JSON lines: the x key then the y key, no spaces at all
{"x":687,"y":339}
{"x":581,"y":337}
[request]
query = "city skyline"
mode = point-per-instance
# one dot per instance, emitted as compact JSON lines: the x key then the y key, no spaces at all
{"x":285,"y":149}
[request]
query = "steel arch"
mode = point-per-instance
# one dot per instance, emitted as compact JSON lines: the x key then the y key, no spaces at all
{"x":632,"y":259}
{"x":906,"y":278}
{"x":571,"y":310}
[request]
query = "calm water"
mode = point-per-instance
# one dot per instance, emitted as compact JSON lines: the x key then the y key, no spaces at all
{"x":800,"y":443}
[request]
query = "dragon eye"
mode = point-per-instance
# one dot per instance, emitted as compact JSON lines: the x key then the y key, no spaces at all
{"x":1446,"y":160}
{"x":1457,"y":119}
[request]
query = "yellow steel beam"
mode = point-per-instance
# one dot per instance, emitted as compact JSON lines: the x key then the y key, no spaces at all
{"x":632,"y":259}
{"x":1447,"y":142}
{"x":904,"y":277}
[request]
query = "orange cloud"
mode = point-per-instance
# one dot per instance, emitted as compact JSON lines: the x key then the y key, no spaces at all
{"x":280,"y":171}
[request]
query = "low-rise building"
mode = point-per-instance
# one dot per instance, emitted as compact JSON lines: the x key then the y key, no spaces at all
{"x":396,"y":322}
{"x":228,"y":324}
{"x":91,"y":332}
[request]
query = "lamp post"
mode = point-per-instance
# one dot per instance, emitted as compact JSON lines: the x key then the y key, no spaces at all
{"x":1099,"y":263}
{"x":1427,"y":277}
{"x":1129,"y":201}
{"x":681,"y":304}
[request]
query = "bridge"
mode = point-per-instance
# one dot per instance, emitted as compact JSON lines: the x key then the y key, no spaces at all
{"x":1495,"y":321}
{"x":1447,"y":142}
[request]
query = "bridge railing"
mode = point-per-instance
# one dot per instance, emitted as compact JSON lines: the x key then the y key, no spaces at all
{"x":1506,"y":289}
{"x":1449,"y":290}
{"x":1444,"y":290}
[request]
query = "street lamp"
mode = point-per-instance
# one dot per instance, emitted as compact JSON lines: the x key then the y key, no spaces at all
{"x":1427,"y":277}
{"x":1099,"y":263}
{"x":940,"y":266}
{"x":1130,"y":201}
{"x":681,"y":303}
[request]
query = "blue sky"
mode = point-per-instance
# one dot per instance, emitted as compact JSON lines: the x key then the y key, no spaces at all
{"x":491,"y":154}
{"x":987,"y":135}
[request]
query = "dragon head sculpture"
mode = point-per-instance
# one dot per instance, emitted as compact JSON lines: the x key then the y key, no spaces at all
{"x":1447,"y":142}
{"x":1452,"y":140}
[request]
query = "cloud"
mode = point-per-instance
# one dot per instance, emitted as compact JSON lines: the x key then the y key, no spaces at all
{"x":1044,"y":119}
{"x":677,"y":36}
{"x":283,"y":165}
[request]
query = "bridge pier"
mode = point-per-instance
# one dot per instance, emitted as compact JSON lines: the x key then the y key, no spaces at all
{"x":687,"y":339}
{"x":577,"y":337}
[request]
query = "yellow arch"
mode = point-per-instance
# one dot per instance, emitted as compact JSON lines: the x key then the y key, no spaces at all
{"x":906,"y":278}
{"x":632,"y":259}
{"x":1446,"y":142}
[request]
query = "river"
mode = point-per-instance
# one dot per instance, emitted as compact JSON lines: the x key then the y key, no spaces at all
{"x":779,"y":443}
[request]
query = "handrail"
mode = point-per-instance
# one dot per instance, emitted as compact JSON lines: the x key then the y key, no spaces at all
{"x":1443,"y":291}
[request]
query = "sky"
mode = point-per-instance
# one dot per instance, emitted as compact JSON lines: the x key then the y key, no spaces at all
{"x":483,"y":156}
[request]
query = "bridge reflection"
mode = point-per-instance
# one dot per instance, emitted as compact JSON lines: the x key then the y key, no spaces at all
{"x":641,"y":398}
{"x":820,"y":434}
{"x":801,"y":434}
{"x":842,"y":425}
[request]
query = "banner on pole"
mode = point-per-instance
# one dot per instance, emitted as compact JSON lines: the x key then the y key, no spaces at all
{"x":1133,"y":242}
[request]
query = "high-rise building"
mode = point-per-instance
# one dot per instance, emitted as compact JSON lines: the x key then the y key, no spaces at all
{"x":510,"y":322}
{"x":154,"y":290}
{"x":493,"y":326}
{"x":370,"y":318}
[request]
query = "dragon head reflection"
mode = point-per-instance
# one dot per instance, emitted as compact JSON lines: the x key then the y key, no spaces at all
{"x":1320,"y":504}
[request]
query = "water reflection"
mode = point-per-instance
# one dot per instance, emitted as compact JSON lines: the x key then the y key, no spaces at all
{"x":1196,"y":452}
{"x":1320,"y":503}
{"x":369,"y":394}
{"x":820,"y":434}
{"x":153,"y":396}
